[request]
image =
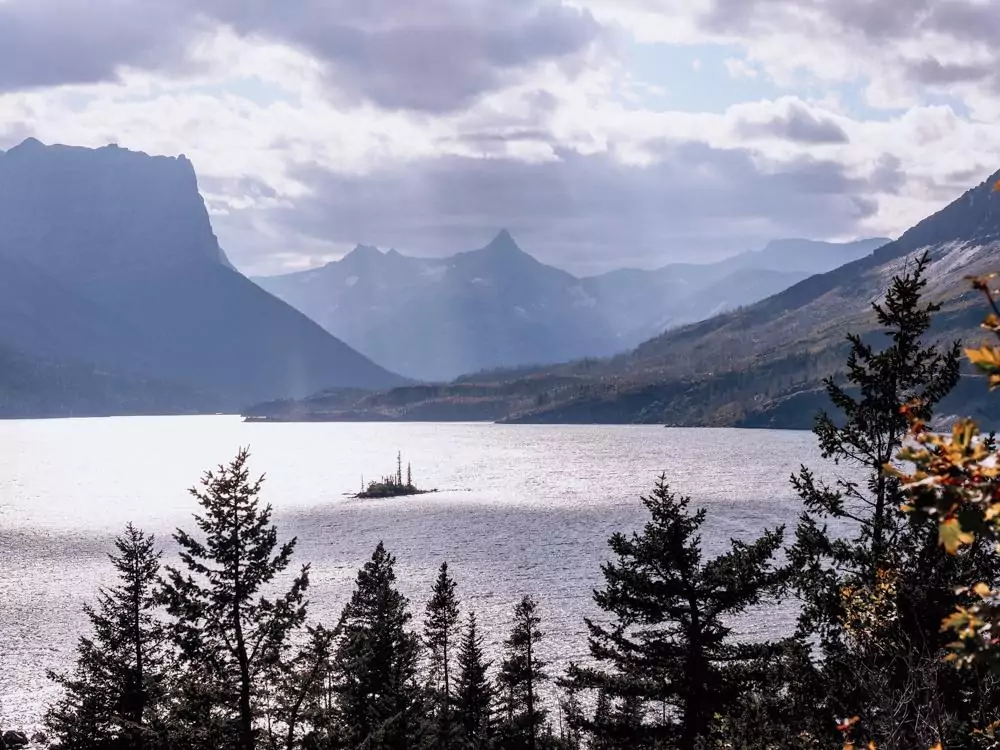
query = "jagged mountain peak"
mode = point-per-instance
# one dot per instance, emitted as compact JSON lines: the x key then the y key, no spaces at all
{"x":503,"y":243}
{"x":363,"y":252}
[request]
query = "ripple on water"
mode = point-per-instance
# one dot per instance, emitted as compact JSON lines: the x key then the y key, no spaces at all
{"x":529,"y":511}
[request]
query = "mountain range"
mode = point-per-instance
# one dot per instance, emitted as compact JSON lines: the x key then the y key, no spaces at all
{"x":758,"y":366}
{"x":435,"y":319}
{"x":115,"y":296}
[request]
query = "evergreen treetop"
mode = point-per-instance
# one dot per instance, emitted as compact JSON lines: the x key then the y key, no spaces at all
{"x":672,"y":664}
{"x":225,"y":630}
{"x":113,"y":698}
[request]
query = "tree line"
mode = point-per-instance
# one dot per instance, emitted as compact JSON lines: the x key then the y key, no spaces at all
{"x":213,"y":653}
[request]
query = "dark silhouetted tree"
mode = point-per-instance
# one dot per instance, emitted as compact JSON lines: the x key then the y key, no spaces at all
{"x":874,"y":583}
{"x":521,"y":675}
{"x":474,"y":693}
{"x":113,"y":699}
{"x":378,"y":700}
{"x":229,"y":634}
{"x":440,"y":633}
{"x":668,"y":661}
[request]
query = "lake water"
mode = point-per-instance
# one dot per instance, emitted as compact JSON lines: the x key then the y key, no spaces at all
{"x":522,"y":509}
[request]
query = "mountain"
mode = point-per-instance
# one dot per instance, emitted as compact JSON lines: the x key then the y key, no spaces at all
{"x":759,"y":366}
{"x":437,"y":318}
{"x":109,"y":266}
{"x":434,"y":319}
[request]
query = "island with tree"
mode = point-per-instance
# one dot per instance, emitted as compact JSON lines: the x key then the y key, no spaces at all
{"x":392,"y":485}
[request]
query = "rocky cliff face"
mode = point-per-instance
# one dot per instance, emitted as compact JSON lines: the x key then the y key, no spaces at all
{"x":90,"y":213}
{"x":112,"y":263}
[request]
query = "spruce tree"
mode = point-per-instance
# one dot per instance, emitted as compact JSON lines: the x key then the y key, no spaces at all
{"x":873,"y":581}
{"x":303,"y":715}
{"x":440,"y":631}
{"x":113,"y":698}
{"x":229,"y":634}
{"x":375,"y":663}
{"x":474,"y":694}
{"x":522,"y":673}
{"x":668,"y":661}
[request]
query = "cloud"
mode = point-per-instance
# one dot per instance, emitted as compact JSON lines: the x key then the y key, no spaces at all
{"x":54,"y":42}
{"x":797,"y":124}
{"x":434,"y":56}
{"x":587,"y":213}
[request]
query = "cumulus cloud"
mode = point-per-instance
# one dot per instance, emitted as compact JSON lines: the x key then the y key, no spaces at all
{"x":435,"y":55}
{"x":797,"y":124}
{"x":54,"y":42}
{"x":588,"y":213}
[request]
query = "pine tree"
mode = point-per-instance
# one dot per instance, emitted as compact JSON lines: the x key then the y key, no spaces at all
{"x":473,"y":691}
{"x":440,"y":630}
{"x":876,"y":585}
{"x":672,"y":665}
{"x":112,"y":700}
{"x":409,"y":475}
{"x":375,"y":663}
{"x":304,"y":705}
{"x":521,"y":675}
{"x":229,"y":635}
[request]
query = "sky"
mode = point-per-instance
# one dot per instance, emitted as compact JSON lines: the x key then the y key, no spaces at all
{"x":601,"y":133}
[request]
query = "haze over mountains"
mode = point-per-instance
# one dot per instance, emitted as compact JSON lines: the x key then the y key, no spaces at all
{"x":115,"y":296}
{"x":438,"y":318}
{"x":760,"y":366}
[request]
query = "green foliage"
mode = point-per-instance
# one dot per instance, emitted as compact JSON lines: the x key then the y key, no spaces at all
{"x":374,"y":667}
{"x":440,"y":632}
{"x":667,"y":664}
{"x":876,"y":587}
{"x":114,"y":699}
{"x":474,"y":693}
{"x":228,"y":635}
{"x":522,"y":674}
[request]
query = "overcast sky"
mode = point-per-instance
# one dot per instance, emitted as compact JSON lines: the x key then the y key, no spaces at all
{"x":601,"y":133}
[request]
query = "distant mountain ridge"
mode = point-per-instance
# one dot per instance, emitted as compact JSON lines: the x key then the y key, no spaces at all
{"x":759,"y":366}
{"x":437,"y":318}
{"x":109,"y":270}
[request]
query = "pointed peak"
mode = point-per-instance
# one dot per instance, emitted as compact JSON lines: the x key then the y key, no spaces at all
{"x":503,"y":242}
{"x":29,"y":143}
{"x":363,"y":252}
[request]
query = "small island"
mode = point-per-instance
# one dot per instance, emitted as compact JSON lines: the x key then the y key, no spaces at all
{"x":392,"y":485}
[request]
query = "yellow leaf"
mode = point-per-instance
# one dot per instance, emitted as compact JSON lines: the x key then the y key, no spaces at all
{"x":996,"y":186}
{"x":985,"y":357}
{"x":981,"y":590}
{"x":952,"y":537}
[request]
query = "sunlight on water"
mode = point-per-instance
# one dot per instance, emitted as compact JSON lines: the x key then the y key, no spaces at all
{"x":522,"y":509}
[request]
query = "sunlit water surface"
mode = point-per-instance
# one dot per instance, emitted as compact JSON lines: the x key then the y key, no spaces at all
{"x":521,"y":509}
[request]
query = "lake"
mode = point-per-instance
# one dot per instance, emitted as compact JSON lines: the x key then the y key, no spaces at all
{"x":521,"y":509}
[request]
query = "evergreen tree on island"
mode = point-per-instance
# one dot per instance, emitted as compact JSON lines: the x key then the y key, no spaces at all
{"x":667,"y":665}
{"x":113,"y":699}
{"x":227,"y":633}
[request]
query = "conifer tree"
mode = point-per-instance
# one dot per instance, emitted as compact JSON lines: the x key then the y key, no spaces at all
{"x":113,"y":698}
{"x":303,"y":712}
{"x":440,"y":631}
{"x":874,"y":583}
{"x":228,"y":634}
{"x":522,"y":674}
{"x":375,"y":663}
{"x":473,"y":691}
{"x":668,"y":660}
